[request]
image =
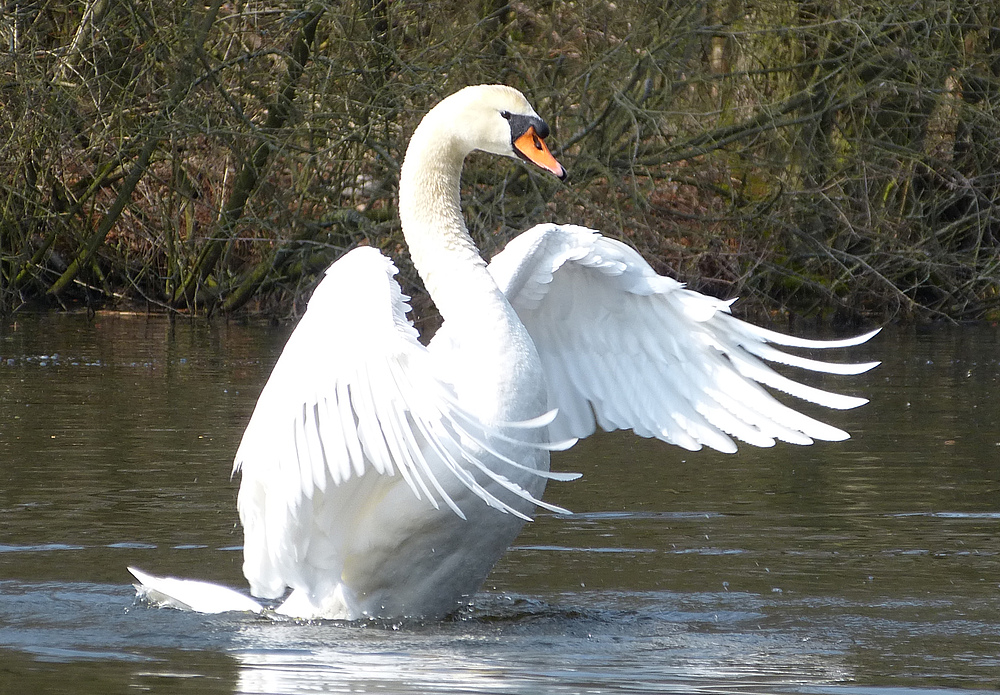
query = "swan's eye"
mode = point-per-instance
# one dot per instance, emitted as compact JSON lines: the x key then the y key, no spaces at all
{"x":505,"y":114}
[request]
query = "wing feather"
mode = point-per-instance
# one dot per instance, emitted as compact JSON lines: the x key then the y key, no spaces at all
{"x":625,"y":348}
{"x":354,"y":394}
{"x":348,"y":428}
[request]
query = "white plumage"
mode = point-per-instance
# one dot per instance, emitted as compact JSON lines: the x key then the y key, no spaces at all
{"x":384,"y":478}
{"x":607,"y":327}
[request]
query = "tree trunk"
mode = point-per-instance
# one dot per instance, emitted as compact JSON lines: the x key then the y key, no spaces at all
{"x":249,"y":175}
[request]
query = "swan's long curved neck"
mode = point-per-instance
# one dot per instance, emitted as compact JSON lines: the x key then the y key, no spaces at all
{"x":444,"y":254}
{"x":490,"y":358}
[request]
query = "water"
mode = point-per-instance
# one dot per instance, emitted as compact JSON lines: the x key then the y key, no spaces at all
{"x":870,"y":566}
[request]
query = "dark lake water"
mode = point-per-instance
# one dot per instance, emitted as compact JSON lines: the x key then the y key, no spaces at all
{"x":870,"y":566}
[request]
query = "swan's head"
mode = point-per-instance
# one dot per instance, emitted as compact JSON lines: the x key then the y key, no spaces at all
{"x":499,"y":120}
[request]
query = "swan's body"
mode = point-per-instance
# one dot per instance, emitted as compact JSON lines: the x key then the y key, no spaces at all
{"x":384,"y":478}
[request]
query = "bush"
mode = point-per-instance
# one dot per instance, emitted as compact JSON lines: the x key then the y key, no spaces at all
{"x":820,"y":158}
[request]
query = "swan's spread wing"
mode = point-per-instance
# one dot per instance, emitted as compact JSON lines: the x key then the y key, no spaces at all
{"x":629,"y":349}
{"x":354,"y":393}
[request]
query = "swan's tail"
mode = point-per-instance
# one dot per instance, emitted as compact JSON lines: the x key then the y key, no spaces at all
{"x":191,"y":595}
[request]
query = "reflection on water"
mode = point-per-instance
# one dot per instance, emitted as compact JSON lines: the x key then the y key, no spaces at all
{"x":866,"y":566}
{"x":513,"y":646}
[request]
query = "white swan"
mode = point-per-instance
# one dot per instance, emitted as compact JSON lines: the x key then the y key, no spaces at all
{"x":384,"y":478}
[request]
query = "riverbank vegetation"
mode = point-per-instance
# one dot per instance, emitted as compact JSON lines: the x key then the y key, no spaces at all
{"x":822,"y":158}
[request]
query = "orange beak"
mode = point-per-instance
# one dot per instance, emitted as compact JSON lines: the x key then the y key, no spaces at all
{"x":533,"y":148}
